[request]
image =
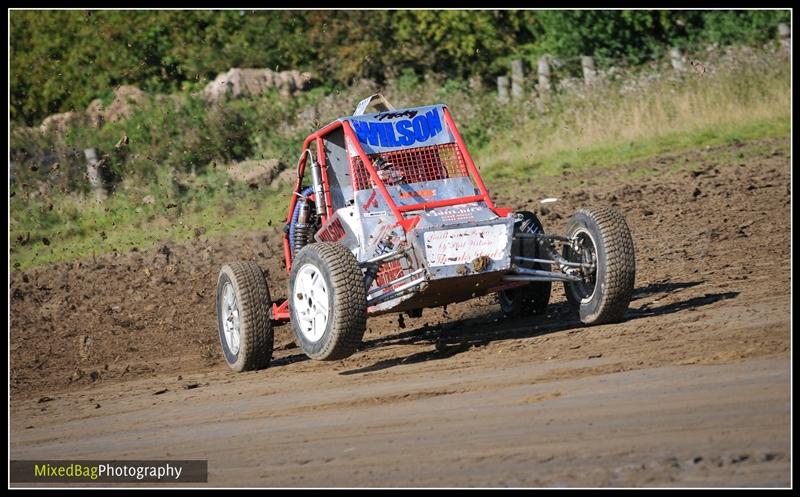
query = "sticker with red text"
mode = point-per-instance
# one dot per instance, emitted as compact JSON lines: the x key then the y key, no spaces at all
{"x":463,"y":245}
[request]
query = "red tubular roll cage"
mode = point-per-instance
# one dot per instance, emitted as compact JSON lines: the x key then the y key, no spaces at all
{"x":407,"y":223}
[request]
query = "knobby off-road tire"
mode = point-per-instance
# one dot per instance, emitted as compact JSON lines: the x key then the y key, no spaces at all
{"x":605,"y":297}
{"x":243,"y":304}
{"x":531,"y":299}
{"x":327,"y":301}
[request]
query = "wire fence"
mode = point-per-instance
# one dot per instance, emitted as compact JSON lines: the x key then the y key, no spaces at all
{"x":587,"y":67}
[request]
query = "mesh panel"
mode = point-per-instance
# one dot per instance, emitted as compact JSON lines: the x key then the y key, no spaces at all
{"x":413,"y":165}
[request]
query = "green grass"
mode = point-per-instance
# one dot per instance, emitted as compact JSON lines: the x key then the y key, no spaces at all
{"x":80,"y":229}
{"x":605,"y":155}
{"x":745,"y":98}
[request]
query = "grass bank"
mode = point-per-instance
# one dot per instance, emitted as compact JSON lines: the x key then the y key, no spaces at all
{"x":647,"y":116}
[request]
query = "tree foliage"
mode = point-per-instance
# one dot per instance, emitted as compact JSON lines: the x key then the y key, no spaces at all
{"x":61,"y":60}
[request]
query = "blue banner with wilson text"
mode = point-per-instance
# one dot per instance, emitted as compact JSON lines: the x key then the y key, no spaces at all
{"x":401,"y":128}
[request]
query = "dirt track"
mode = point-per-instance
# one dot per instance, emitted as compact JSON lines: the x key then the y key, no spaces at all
{"x":692,"y":389}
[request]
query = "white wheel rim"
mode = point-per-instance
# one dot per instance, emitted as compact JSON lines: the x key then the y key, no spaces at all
{"x":579,"y":232}
{"x":311,"y":302}
{"x":231,"y":324}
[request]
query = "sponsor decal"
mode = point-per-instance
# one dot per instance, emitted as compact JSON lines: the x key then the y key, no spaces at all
{"x":418,"y":193}
{"x":372,"y":201}
{"x":405,"y":128}
{"x":450,"y":211}
{"x":465,"y":245}
{"x":401,"y":133}
{"x":375,"y":214}
{"x":458,"y":213}
{"x":395,"y":115}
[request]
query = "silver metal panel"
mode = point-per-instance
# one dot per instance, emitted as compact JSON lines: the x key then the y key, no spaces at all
{"x":352,"y":229}
{"x":338,"y":169}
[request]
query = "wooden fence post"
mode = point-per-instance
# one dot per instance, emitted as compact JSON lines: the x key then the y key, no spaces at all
{"x":676,"y":58}
{"x":502,"y":88}
{"x":785,"y":35}
{"x":544,"y":75}
{"x":589,"y":72}
{"x":475,"y":83}
{"x":94,"y":175}
{"x":517,"y":79}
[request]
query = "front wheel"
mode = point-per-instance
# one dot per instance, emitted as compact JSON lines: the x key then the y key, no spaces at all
{"x":327,"y":301}
{"x":602,"y":240}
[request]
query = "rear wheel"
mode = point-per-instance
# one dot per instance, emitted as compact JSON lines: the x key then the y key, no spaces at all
{"x":243,"y":319}
{"x":601,"y":237}
{"x":533,"y":298}
{"x":327,"y":301}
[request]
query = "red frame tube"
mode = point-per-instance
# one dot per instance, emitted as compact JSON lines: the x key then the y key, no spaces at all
{"x":301,"y":167}
{"x":280,"y":312}
{"x":440,"y":203}
{"x":323,"y":166}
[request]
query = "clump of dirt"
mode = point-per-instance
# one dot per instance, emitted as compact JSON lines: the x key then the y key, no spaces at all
{"x":481,"y":264}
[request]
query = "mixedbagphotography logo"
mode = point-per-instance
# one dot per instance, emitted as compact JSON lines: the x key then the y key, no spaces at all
{"x":68,"y":471}
{"x":109,"y":471}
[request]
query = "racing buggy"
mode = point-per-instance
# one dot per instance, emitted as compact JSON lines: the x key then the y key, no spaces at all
{"x":394,"y":217}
